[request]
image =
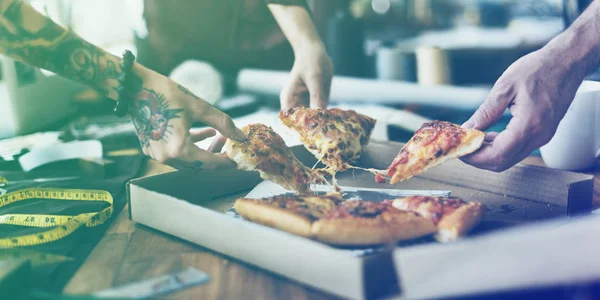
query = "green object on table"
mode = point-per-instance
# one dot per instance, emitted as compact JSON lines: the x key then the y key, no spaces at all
{"x":15,"y":278}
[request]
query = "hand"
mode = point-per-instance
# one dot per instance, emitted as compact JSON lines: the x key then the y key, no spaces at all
{"x":310,"y":79}
{"x":537,"y":89}
{"x":163,"y":113}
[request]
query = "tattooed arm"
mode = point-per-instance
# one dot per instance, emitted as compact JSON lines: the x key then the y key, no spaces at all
{"x":162,"y":110}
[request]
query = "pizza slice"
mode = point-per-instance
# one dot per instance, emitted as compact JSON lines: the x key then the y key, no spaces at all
{"x":335,"y":136}
{"x":453,"y":217}
{"x":356,"y":222}
{"x":290,"y":213}
{"x":433,"y":144}
{"x":266,"y":152}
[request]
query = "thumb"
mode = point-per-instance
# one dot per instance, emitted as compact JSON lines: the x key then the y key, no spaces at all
{"x":490,"y":111}
{"x":318,"y":88}
{"x":293,"y":94}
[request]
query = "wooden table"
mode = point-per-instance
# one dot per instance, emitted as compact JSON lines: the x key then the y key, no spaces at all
{"x":130,"y":252}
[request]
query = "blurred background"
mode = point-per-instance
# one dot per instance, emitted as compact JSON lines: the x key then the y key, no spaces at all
{"x":436,"y":59}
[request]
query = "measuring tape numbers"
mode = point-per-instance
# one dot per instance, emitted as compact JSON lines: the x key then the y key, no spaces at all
{"x":59,"y":226}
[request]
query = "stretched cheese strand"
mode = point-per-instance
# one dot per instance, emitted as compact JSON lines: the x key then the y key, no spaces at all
{"x":373,"y":171}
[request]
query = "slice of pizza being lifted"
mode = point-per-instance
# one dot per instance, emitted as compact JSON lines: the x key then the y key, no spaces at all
{"x":453,"y":217}
{"x":335,"y":136}
{"x":433,"y":144}
{"x":266,"y":152}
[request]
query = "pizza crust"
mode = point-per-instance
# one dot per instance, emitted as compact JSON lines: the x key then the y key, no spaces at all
{"x":275,"y":217}
{"x":390,"y":228}
{"x":460,"y":222}
{"x":452,"y":217}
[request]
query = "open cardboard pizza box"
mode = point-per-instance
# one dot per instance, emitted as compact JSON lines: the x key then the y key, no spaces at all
{"x":196,"y":208}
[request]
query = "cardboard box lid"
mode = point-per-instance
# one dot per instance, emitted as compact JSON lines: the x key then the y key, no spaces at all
{"x":521,"y":194}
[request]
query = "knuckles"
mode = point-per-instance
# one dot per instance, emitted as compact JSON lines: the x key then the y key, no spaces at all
{"x":483,"y":114}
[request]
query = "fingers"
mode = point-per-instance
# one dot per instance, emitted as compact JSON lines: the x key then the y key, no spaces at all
{"x":505,"y":150}
{"x":194,"y":159}
{"x":221,"y":122}
{"x":318,"y":88}
{"x":294,"y":94}
{"x":492,"y":108}
{"x":217,"y":144}
{"x":177,"y":149}
{"x":203,"y":134}
{"x":490,"y":136}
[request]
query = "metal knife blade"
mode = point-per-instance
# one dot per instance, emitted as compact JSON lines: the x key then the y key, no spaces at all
{"x":391,"y":192}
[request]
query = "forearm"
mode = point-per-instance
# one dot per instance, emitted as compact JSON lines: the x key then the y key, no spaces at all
{"x":297,"y":26}
{"x":32,"y":38}
{"x":578,"y":47}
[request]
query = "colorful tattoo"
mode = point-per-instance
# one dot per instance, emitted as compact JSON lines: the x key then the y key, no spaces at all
{"x":30,"y":37}
{"x":151,"y":116}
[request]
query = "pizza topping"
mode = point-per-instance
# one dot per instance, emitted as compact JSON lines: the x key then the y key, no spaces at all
{"x":357,"y":208}
{"x":331,"y":220}
{"x":313,"y":209}
{"x":335,"y":136}
{"x":402,"y":158}
{"x":426,"y":136}
{"x":266,"y":152}
{"x":432,"y":207}
{"x":431,"y":131}
{"x":379,"y":178}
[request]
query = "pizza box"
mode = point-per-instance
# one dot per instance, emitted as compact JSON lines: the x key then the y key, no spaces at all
{"x":549,"y":254}
{"x":197,"y":208}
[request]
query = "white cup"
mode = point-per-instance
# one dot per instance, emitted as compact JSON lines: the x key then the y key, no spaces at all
{"x":576,"y":142}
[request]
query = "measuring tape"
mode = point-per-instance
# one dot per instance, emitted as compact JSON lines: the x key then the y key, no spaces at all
{"x":36,"y":258}
{"x":62,"y":225}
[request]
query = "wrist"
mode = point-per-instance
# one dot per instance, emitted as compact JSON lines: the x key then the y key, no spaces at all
{"x":575,"y":50}
{"x":141,"y":74}
{"x":298,"y":27}
{"x":307,"y":45}
{"x":144,"y":74}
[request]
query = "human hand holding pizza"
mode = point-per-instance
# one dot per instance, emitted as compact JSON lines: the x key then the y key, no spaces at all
{"x":537,"y":91}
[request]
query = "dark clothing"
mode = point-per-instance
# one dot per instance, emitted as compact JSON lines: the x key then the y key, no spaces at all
{"x":230,"y":34}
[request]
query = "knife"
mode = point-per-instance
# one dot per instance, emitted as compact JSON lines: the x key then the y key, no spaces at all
{"x":391,"y":192}
{"x":269,"y":189}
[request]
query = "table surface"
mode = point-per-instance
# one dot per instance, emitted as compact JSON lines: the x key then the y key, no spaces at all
{"x":130,"y":252}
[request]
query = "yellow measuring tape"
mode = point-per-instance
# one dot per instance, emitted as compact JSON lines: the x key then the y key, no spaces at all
{"x":59,"y":226}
